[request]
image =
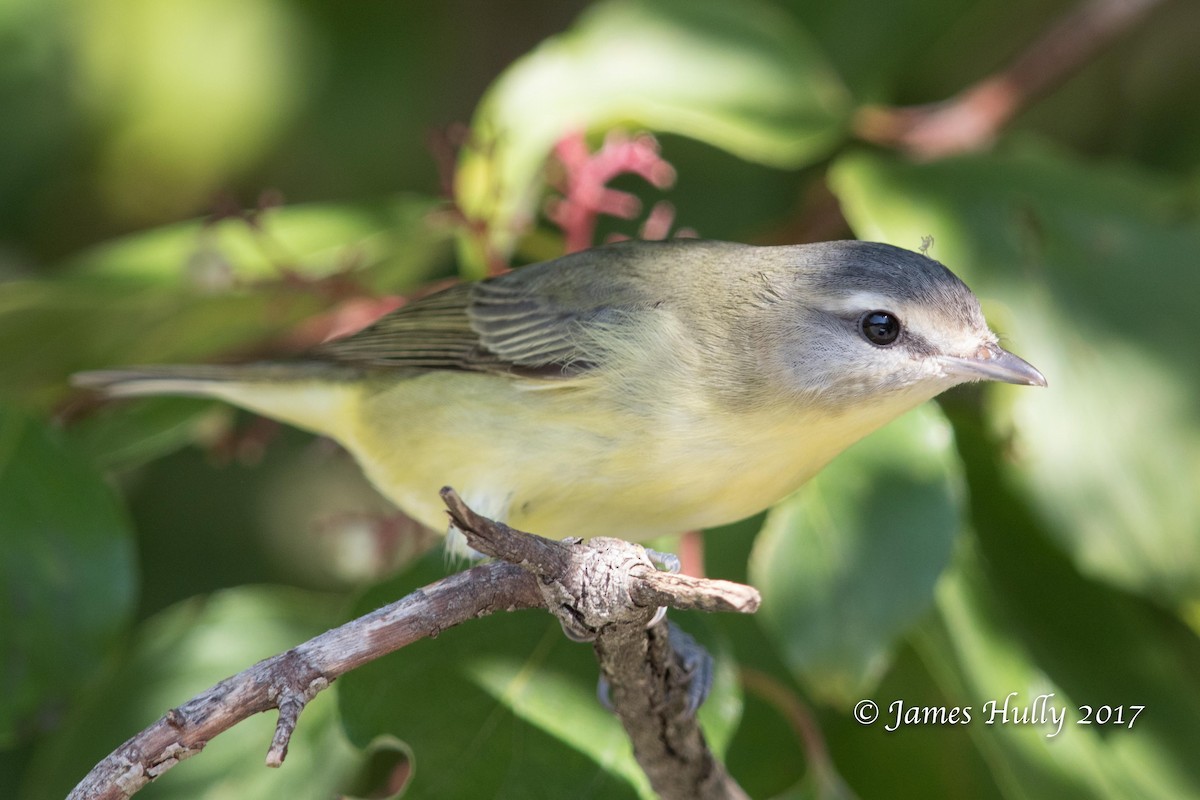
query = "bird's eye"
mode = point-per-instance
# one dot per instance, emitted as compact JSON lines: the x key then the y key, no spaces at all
{"x":880,"y":327}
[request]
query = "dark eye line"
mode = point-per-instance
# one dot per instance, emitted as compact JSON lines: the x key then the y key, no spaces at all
{"x":917,"y":344}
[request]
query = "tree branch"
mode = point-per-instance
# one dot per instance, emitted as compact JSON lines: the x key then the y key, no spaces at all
{"x":649,"y":693}
{"x":971,"y":119}
{"x":608,"y":589}
{"x":290,"y":680}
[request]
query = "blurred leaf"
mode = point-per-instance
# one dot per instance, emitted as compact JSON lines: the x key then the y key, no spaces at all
{"x":297,"y":512}
{"x":1160,"y":124}
{"x":504,"y":707}
{"x":911,"y":761}
{"x":1016,"y":616}
{"x":50,"y":329}
{"x":187,"y":107}
{"x":387,"y":245}
{"x":846,"y":564}
{"x":1021,"y":617}
{"x":1148,"y":760}
{"x":126,"y":435}
{"x":727,"y":550}
{"x":1095,"y":269}
{"x":67,"y":574}
{"x":765,"y":755}
{"x":872,"y":44}
{"x":741,"y":77}
{"x":180,"y":653}
{"x":185,"y":293}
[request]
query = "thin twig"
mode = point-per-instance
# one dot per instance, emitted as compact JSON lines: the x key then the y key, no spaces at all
{"x":290,"y":680}
{"x":971,"y":119}
{"x":806,"y":728}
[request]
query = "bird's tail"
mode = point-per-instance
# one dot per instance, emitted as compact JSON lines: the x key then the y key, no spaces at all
{"x":313,"y":396}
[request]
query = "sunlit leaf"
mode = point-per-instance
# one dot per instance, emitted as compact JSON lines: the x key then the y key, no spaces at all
{"x":192,"y":292}
{"x":1006,"y":635}
{"x":1089,"y":271}
{"x":849,"y":561}
{"x":387,"y":245}
{"x":743,"y":77}
{"x":179,"y":112}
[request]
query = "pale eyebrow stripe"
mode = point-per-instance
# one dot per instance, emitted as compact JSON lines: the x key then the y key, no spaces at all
{"x":856,"y":302}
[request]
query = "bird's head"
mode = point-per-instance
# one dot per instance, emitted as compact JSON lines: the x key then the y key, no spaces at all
{"x":864,"y":323}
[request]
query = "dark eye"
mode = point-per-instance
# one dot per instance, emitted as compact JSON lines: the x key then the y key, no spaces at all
{"x":880,"y":327}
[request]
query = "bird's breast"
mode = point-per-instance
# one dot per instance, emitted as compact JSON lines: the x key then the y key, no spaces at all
{"x":576,"y":461}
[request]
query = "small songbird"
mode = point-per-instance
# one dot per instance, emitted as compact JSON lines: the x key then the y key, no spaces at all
{"x":631,"y":390}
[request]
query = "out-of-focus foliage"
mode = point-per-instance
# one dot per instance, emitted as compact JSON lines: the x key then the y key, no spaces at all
{"x":1010,"y":541}
{"x":66,"y":566}
{"x":716,"y":72}
{"x":1094,"y":268}
{"x":850,"y":562}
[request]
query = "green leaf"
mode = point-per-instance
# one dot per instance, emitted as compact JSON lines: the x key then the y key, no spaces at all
{"x":861,"y":39}
{"x":743,"y":77}
{"x":504,"y":707}
{"x":169,"y":122}
{"x":176,"y":655}
{"x":67,"y":573}
{"x":846,"y":564}
{"x":50,"y":329}
{"x":1021,"y":617}
{"x":126,"y":435}
{"x":190,"y":291}
{"x":387,"y":244}
{"x":1090,"y":269}
{"x":297,"y":514}
{"x":1015,"y":617}
{"x":926,"y":760}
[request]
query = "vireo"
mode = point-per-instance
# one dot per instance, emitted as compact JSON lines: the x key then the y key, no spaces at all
{"x":632,"y":390}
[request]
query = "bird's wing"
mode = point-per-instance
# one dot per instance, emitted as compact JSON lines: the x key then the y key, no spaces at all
{"x":433,"y":332}
{"x":499,"y":325}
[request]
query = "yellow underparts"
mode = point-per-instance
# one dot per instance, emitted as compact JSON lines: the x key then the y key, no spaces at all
{"x":566,"y":461}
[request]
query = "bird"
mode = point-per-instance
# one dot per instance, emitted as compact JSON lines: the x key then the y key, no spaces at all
{"x":633,"y":390}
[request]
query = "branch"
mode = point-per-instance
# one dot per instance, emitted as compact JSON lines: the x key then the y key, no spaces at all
{"x":971,"y":119}
{"x":649,"y":693}
{"x":607,"y":590}
{"x":290,"y":680}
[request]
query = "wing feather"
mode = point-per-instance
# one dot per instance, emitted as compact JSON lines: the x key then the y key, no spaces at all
{"x":540,"y":320}
{"x":492,"y":326}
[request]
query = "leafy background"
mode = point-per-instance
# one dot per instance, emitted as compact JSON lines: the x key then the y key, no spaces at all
{"x":1002,"y":540}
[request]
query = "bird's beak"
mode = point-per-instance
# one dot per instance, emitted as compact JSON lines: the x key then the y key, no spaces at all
{"x":993,"y":363}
